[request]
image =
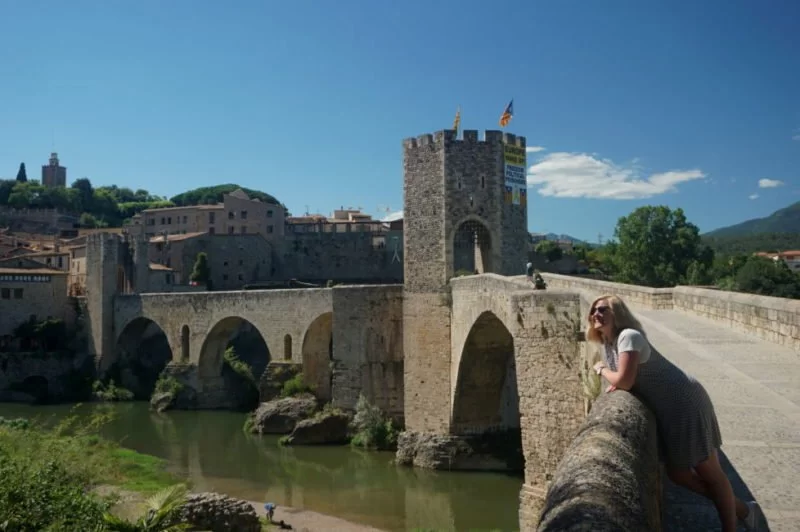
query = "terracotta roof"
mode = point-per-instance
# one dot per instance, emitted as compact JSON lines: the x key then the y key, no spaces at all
{"x":160,"y":267}
{"x":215,"y":206}
{"x":175,"y":237}
{"x":32,"y":271}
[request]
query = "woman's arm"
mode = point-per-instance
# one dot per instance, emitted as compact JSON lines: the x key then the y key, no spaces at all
{"x":625,"y":377}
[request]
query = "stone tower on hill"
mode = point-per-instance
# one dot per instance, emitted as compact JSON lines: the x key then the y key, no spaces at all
{"x":465,"y":211}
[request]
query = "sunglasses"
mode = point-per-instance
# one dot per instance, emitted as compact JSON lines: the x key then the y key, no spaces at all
{"x":599,"y":310}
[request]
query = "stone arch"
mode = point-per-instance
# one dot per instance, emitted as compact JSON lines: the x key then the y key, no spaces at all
{"x":239,"y":333}
{"x":143,"y":351}
{"x":287,"y":347}
{"x":185,"y":345}
{"x":472,"y":246}
{"x":318,"y":354}
{"x":486,"y":397}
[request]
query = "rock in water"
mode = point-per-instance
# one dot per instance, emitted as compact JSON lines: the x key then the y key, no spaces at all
{"x":324,"y":428}
{"x":219,"y":513}
{"x":161,"y":401}
{"x":281,"y":415}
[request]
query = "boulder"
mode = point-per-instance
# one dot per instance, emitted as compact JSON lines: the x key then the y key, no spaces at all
{"x":326,"y":427}
{"x":501,"y":451}
{"x":161,"y":401}
{"x":216,"y":512}
{"x":280,"y":416}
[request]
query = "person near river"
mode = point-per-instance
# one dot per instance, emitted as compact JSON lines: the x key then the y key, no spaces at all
{"x":684,"y":413}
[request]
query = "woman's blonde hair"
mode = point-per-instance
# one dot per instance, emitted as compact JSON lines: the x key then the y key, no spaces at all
{"x":623,"y":319}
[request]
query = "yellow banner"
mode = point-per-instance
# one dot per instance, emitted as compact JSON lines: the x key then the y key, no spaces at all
{"x":514,"y":155}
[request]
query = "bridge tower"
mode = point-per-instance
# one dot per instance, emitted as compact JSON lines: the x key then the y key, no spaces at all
{"x":105,"y":277}
{"x":462,"y":214}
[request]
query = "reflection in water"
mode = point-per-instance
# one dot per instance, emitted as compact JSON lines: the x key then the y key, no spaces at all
{"x":213,"y":452}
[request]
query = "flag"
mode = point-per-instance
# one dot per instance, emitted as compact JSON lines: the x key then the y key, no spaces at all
{"x":457,"y":121}
{"x":505,"y":118}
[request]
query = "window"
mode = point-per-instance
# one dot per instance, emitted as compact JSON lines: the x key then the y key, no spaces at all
{"x":211,"y":231}
{"x":244,"y":229}
{"x":225,"y":263}
{"x":169,"y":220}
{"x":169,"y":278}
{"x":243,"y":215}
{"x":269,"y":214}
{"x":185,"y":219}
{"x":60,"y":262}
{"x":241,"y":262}
{"x":225,"y":277}
{"x":5,"y":293}
{"x":483,"y":182}
{"x":162,"y":220}
{"x":18,"y":293}
{"x":241,"y":277}
{"x":231,"y":229}
{"x":269,"y":229}
{"x":211,"y":217}
{"x":230,"y":215}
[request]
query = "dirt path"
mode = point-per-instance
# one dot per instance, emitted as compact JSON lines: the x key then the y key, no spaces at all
{"x":308,"y":521}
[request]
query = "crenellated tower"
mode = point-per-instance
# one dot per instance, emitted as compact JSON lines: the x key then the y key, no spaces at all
{"x":465,"y":211}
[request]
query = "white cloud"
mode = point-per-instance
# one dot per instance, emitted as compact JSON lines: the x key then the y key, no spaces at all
{"x":534,"y":149}
{"x":769,"y":183}
{"x":393,"y":217}
{"x":753,"y":196}
{"x":796,"y":137}
{"x":580,"y":175}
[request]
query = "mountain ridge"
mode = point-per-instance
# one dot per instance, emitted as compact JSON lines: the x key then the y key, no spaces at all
{"x":785,"y":220}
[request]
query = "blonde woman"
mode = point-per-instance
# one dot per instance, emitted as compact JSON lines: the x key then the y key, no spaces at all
{"x":686,"y":420}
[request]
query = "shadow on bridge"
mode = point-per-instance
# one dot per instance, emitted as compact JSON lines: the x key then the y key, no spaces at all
{"x":143,"y":351}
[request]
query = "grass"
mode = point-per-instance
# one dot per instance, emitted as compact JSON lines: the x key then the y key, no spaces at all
{"x":295,"y":386}
{"x":141,"y":473}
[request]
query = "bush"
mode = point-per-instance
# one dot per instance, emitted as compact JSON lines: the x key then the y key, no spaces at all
{"x":168,"y":384}
{"x":373,"y":429}
{"x":239,"y":366}
{"x":110,"y":392}
{"x":295,"y":386}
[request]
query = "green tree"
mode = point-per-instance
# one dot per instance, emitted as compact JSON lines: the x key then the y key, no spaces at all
{"x":656,"y":247}
{"x":6,"y":186}
{"x":22,"y":175}
{"x":85,"y":194}
{"x":201,"y":273}
{"x":162,"y":513}
{"x":760,"y":275}
{"x":549,"y":250}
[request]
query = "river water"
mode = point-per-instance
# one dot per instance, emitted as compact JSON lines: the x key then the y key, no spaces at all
{"x":211,"y":450}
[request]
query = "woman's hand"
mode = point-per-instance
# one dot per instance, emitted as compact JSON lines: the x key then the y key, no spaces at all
{"x":611,"y":389}
{"x":598,"y":367}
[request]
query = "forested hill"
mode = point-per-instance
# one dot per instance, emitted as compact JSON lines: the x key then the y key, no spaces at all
{"x":780,"y":231}
{"x":107,"y":206}
{"x":786,"y":220}
{"x":211,"y":195}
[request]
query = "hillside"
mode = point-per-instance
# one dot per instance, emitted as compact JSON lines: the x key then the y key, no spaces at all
{"x":211,"y":195}
{"x":786,"y":220}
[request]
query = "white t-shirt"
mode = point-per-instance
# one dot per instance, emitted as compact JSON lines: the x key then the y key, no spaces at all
{"x":633,"y":340}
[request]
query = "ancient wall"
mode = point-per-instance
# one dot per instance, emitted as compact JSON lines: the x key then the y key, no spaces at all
{"x":652,"y":298}
{"x":234,"y":260}
{"x":543,"y":326}
{"x":43,"y":376}
{"x":23,"y":295}
{"x":211,"y":316}
{"x":354,"y":256}
{"x":617,"y":441}
{"x":368,"y":346}
{"x":770,"y":318}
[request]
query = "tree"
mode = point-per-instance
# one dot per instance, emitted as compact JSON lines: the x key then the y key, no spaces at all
{"x":85,"y":194}
{"x":549,"y":249}
{"x":22,"y":175}
{"x":201,"y":274}
{"x":656,"y":247}
{"x":760,"y":275}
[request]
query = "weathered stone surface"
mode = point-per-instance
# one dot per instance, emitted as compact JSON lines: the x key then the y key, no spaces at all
{"x":327,"y":427}
{"x":161,"y":401}
{"x":276,"y":374}
{"x":484,"y":452}
{"x":609,"y":477}
{"x":216,"y":512}
{"x":280,"y":416}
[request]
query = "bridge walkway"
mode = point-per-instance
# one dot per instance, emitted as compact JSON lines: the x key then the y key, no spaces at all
{"x":755,"y":386}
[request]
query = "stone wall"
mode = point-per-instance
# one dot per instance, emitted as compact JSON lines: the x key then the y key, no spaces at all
{"x":368,"y":346}
{"x":609,"y":477}
{"x":44,"y":376}
{"x":770,"y":318}
{"x":19,"y":300}
{"x":644,"y":296}
{"x":355,"y":256}
{"x":233,"y":260}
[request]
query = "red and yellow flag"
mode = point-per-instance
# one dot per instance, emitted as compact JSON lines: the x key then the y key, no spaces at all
{"x":505,"y":118}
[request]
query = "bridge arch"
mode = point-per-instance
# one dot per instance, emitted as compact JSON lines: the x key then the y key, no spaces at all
{"x":486,"y":397}
{"x":472,"y":246}
{"x":241,"y":334}
{"x":317,"y":352}
{"x":142,"y":352}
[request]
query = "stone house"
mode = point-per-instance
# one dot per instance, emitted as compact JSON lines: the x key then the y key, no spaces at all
{"x":31,"y":291}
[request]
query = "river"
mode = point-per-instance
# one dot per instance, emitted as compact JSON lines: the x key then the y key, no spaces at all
{"x":211,"y":450}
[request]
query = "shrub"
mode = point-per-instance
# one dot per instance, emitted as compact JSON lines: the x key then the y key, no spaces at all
{"x":168,"y":384}
{"x":373,"y":429}
{"x":295,"y":386}
{"x":239,"y":366}
{"x":110,"y":392}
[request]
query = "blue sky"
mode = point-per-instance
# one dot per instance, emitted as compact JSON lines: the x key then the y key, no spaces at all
{"x":686,"y":104}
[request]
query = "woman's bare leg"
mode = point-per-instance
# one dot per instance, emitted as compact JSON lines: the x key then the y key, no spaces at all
{"x":719,"y":490}
{"x":690,"y":480}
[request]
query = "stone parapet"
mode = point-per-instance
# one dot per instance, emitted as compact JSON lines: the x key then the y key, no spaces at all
{"x":773,"y":319}
{"x":644,"y":296}
{"x":609,"y":477}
